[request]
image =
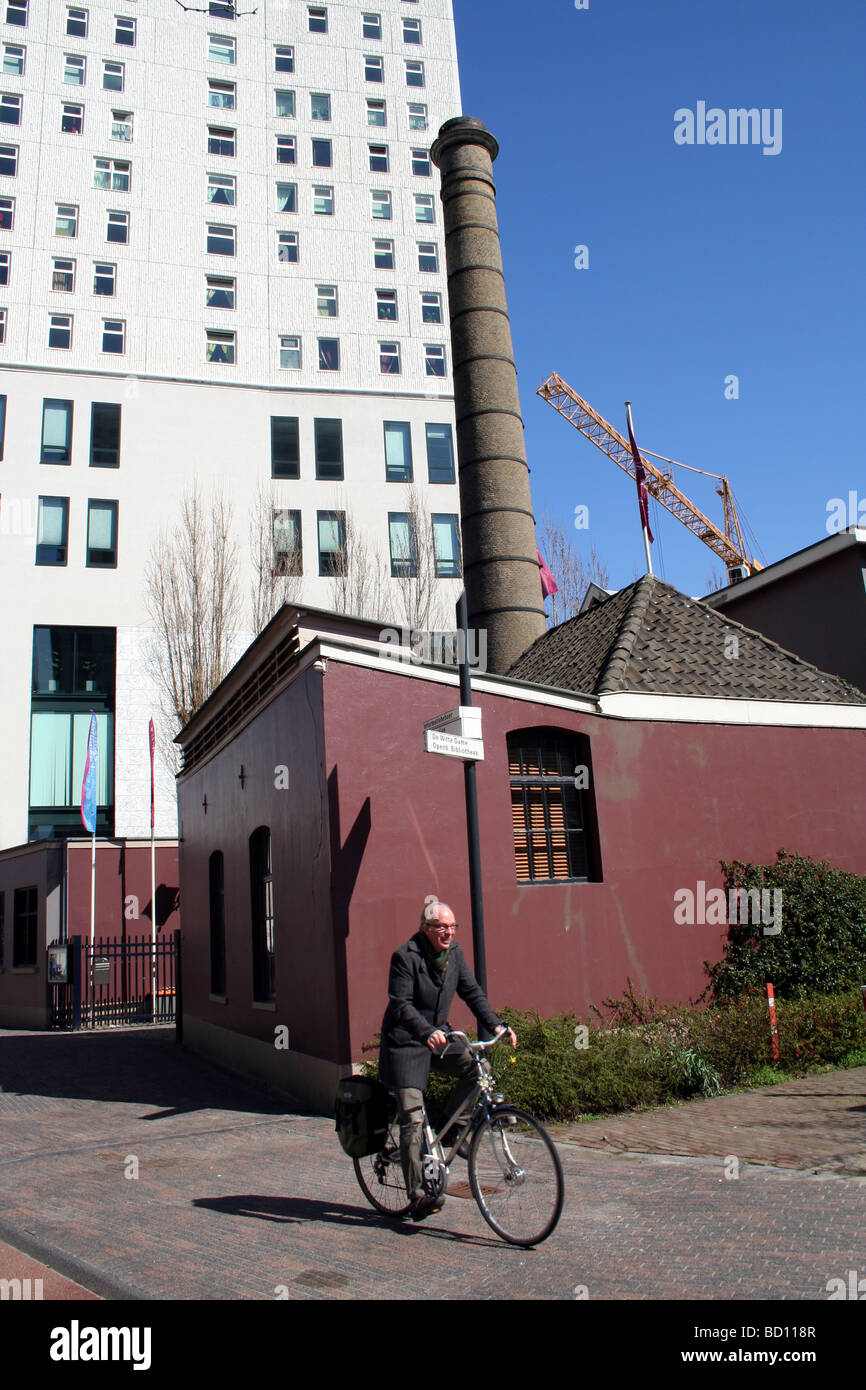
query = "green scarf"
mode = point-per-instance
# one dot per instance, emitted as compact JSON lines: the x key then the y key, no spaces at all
{"x":438,"y":960}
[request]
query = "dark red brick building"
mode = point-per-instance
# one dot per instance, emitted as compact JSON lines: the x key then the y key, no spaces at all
{"x":313,"y":822}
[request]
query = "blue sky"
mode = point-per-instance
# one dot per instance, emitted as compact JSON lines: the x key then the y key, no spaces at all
{"x":704,"y":261}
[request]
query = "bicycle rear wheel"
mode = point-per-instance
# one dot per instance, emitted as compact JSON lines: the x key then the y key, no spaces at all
{"x":381,"y":1176}
{"x":516,"y":1176}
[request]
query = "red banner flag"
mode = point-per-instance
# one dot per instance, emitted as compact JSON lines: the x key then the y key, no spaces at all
{"x":640,"y":478}
{"x":152,"y":745}
{"x":548,"y":583}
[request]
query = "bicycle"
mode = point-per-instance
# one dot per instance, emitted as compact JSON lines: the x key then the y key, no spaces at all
{"x":515,"y":1174}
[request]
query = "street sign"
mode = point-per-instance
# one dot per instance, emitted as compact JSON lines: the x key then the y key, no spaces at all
{"x":453,"y":746}
{"x":442,"y":721}
{"x":465,"y":721}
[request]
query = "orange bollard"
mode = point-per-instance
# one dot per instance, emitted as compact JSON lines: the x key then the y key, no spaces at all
{"x":774,"y":1031}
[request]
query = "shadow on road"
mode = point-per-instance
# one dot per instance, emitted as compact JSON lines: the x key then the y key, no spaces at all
{"x":294,"y":1210}
{"x":136,"y":1066}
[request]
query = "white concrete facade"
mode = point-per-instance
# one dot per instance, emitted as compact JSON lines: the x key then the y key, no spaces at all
{"x":184,"y":417}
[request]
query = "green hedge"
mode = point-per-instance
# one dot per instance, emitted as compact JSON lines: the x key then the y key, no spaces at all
{"x":643,"y":1054}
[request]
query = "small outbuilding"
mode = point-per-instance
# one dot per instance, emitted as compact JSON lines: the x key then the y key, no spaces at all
{"x":626,"y":753}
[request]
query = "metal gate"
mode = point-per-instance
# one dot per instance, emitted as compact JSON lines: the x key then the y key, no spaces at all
{"x":116,"y":981}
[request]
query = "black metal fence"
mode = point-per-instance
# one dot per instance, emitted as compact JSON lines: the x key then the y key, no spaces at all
{"x":116,"y":981}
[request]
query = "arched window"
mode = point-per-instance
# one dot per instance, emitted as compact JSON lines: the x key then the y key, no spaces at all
{"x":552,"y":807}
{"x":262,"y":903}
{"x":216,"y":886}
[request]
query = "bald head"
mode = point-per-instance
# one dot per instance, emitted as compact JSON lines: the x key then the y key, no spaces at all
{"x":438,"y":923}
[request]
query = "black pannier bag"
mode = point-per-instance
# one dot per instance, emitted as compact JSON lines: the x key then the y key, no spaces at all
{"x":363,"y":1112}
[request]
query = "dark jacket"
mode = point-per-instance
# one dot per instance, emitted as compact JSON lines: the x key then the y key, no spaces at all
{"x":417,"y":1006}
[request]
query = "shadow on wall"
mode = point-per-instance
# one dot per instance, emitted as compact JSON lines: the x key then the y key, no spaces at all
{"x":167,"y":903}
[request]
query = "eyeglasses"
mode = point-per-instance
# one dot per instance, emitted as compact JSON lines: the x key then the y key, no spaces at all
{"x":437,"y":927}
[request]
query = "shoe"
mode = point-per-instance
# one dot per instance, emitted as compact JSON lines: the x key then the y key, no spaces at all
{"x":463,"y":1149}
{"x":422,"y":1207}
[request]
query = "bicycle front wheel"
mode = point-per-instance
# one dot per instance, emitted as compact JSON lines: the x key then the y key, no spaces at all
{"x":516,"y":1176}
{"x":381,"y":1176}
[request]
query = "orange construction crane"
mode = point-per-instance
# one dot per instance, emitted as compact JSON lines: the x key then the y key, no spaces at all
{"x":728,"y":544}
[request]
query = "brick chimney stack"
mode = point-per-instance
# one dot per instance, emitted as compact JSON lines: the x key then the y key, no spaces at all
{"x":500,"y":561}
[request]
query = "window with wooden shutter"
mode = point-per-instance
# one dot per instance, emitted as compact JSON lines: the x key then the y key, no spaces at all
{"x":552,"y":814}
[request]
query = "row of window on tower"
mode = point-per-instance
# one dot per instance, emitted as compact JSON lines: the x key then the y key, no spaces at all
{"x":77,"y":22}
{"x":71,"y":123}
{"x":125,"y":27}
{"x":221,"y":239}
{"x":221,"y":345}
{"x":222,"y":48}
{"x":110,"y":173}
{"x":14,"y":64}
{"x":405,"y":542}
{"x":223,"y":95}
{"x":328,"y":450}
{"x":111,"y":333}
{"x":409,"y":548}
{"x":328,"y":456}
{"x":221,"y":291}
{"x":52,"y":532}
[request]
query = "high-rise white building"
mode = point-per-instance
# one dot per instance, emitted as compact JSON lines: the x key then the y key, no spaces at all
{"x":222,"y":260}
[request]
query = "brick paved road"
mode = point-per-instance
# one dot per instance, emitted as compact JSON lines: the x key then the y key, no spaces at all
{"x":816,"y":1122}
{"x":235,"y":1198}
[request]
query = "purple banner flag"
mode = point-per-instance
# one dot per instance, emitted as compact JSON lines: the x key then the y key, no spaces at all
{"x":88,"y":785}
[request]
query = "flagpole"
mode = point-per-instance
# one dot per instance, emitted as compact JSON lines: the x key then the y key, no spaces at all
{"x":93,"y":926}
{"x":89,"y":808}
{"x":646,"y":544}
{"x":649,"y":562}
{"x":152,"y":882}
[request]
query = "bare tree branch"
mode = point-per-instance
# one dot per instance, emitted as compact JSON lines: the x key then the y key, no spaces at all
{"x":572,"y":571}
{"x":422,"y":603}
{"x":276,"y":577}
{"x":360,"y":574}
{"x":191,"y":594}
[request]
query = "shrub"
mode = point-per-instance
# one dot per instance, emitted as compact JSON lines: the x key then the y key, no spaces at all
{"x":821,"y":948}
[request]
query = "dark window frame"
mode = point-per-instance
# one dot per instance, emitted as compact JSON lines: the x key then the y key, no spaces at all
{"x":67,"y":448}
{"x":552,"y":818}
{"x":439,"y":565}
{"x":217,"y":916}
{"x":327,"y":568}
{"x":406,"y":474}
{"x":437,"y":466}
{"x":110,"y":453}
{"x":25,"y":927}
{"x":43,"y":557}
{"x":403,"y":569}
{"x":285,"y":451}
{"x":324,"y":464}
{"x":289,"y":562}
{"x":262,"y":915}
{"x":92,"y":551}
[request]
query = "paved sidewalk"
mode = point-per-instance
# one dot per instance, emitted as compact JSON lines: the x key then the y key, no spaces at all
{"x":137,"y":1170}
{"x":817,"y":1123}
{"x":23,"y":1278}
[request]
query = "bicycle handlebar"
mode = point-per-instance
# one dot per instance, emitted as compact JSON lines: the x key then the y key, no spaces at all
{"x":481,"y":1046}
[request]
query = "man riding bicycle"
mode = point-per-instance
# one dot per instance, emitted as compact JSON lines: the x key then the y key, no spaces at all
{"x":425,"y":975}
